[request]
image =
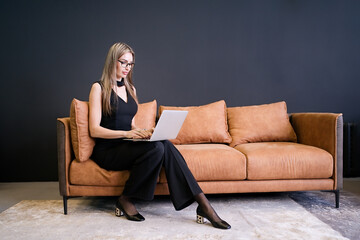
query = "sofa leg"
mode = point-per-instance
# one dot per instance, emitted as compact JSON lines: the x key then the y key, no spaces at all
{"x":65,"y":198}
{"x":337,"y":197}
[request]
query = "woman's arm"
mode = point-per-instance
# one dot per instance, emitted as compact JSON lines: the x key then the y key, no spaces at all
{"x":95,"y":112}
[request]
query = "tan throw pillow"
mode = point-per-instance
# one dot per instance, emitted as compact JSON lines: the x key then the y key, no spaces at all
{"x":82,"y":142}
{"x":146,"y":115}
{"x":203,"y":124}
{"x":261,"y":123}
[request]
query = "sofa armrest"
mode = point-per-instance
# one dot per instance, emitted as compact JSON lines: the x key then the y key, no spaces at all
{"x":64,"y":154}
{"x":325,"y":131}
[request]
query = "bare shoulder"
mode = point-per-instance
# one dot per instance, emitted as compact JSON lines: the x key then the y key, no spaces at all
{"x":95,"y":88}
{"x":96,"y":85}
{"x":95,"y":91}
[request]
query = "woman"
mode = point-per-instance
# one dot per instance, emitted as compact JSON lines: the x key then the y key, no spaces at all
{"x":112,"y":106}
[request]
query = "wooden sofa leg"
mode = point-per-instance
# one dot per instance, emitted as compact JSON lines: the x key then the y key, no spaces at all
{"x":337,"y":197}
{"x":65,"y":198}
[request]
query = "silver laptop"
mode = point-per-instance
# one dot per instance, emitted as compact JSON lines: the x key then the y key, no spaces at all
{"x":168,"y":126}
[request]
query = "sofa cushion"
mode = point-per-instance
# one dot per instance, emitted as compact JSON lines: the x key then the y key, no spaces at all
{"x":146,"y":115}
{"x":261,"y":123}
{"x":88,"y":173}
{"x":203,"y":124}
{"x":285,"y":160}
{"x":212,"y":162}
{"x":83,"y":143}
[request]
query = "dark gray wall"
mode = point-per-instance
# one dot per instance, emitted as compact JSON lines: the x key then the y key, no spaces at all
{"x":188,"y":53}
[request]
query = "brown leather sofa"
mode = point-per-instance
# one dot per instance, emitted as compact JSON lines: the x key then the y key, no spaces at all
{"x":225,"y":154}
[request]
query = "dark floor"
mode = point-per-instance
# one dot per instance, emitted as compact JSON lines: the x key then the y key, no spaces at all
{"x":345,"y":219}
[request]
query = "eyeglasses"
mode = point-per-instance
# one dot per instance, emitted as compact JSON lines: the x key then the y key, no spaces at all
{"x":126,"y":64}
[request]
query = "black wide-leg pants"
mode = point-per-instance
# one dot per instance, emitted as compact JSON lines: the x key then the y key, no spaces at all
{"x":145,"y":160}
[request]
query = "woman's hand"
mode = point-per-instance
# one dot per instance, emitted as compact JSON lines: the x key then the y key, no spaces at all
{"x":140,"y":133}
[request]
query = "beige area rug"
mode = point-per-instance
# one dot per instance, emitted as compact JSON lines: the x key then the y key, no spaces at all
{"x":265,"y":217}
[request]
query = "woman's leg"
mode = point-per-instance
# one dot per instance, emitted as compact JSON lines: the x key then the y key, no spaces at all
{"x":143,"y":177}
{"x":183,"y":187}
{"x":182,"y":184}
{"x":145,"y":171}
{"x":143,"y":159}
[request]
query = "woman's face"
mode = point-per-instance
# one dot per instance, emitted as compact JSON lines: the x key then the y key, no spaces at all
{"x":124,"y":65}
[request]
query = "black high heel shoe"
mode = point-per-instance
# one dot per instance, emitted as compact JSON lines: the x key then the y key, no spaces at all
{"x":200,"y":218}
{"x":119,"y":211}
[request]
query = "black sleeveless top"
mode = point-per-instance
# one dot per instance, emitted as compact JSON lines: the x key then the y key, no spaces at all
{"x":120,"y":118}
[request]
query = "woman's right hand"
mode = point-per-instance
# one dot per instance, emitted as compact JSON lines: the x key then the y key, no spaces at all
{"x":139,"y":133}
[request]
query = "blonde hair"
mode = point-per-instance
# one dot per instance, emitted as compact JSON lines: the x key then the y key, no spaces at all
{"x":108,"y":80}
